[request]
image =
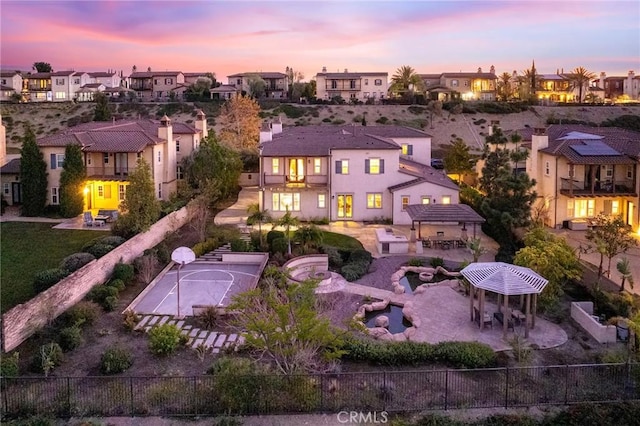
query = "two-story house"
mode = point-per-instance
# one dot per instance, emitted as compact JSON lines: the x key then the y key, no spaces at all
{"x":461,"y":85}
{"x":66,"y":84}
{"x":631,"y":86}
{"x":349,"y":173}
{"x":582,"y":171}
{"x":10,"y":84}
{"x":36,"y":87}
{"x":107,"y":79}
{"x":276,"y":83}
{"x":155,"y":85}
{"x":111,"y":151}
{"x":361,"y":86}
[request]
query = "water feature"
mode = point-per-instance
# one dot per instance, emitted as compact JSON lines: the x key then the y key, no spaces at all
{"x":412,"y":280}
{"x":397,"y":322}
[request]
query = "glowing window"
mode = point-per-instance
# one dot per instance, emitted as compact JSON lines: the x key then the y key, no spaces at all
{"x":374,"y":200}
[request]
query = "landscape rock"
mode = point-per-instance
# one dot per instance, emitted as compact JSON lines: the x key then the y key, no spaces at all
{"x":382,"y":321}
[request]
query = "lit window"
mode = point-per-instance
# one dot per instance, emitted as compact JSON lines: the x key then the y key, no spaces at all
{"x":322,"y":201}
{"x":275,"y":166}
{"x":374,"y":166}
{"x":317,"y":166}
{"x":283,"y":201}
{"x":100,"y":191}
{"x":407,"y":149}
{"x":374,"y":200}
{"x":54,"y":196}
{"x":425,"y":199}
{"x":342,"y":167}
{"x":581,"y":208}
{"x":446,"y":199}
{"x":404,"y":201}
{"x":615,"y":207}
{"x":122,"y":191}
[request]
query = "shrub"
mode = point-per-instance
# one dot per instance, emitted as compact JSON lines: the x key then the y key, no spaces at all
{"x":163,"y":253}
{"x":326,"y":120}
{"x":76,"y":261}
{"x":354,"y":270}
{"x":99,"y":250}
{"x":145,"y":266}
{"x":164,"y":339}
{"x":335,"y":259}
{"x":109,"y":303}
{"x":47,"y":278}
{"x":9,"y":366}
{"x":382,"y":120}
{"x":209,"y":317}
{"x":84,"y":312}
{"x":124,"y":272}
{"x":360,"y":255}
{"x":338,"y":121}
{"x":416,"y":261}
{"x":111,"y":240}
{"x":437,"y":261}
{"x":100,"y":292}
{"x":206,"y":246}
{"x":130,"y":319}
{"x":239,"y":245}
{"x":117,"y":283}
{"x":279,"y":245}
{"x":273,"y":235}
{"x":465,"y":354}
{"x":70,"y":338}
{"x":47,"y":358}
{"x":115,"y":360}
{"x":238,"y":383}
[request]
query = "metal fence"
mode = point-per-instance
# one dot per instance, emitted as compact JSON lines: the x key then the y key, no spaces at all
{"x":393,"y":391}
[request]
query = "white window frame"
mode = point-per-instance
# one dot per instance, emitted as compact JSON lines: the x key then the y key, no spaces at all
{"x":344,"y":167}
{"x":59,"y":161}
{"x":405,"y":200}
{"x":279,"y":205}
{"x":322,"y":201}
{"x":426,"y":198}
{"x":374,"y":200}
{"x":446,"y":199}
{"x":317,"y":166}
{"x":275,"y":166}
{"x":374,"y":166}
{"x":122,"y":191}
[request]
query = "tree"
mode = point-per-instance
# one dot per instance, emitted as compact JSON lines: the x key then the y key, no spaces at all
{"x":551,"y":257}
{"x":259,"y":216}
{"x":509,"y":195}
{"x":505,"y":89}
{"x":33,"y":176}
{"x":240,"y":121}
{"x":610,"y":236}
{"x":528,"y":83}
{"x":102,"y":111}
{"x":309,"y":236}
{"x":257,"y":86}
{"x":476,"y":248}
{"x":213,"y":169}
{"x":140,"y":206}
{"x":458,"y":160}
{"x":200,"y":89}
{"x":580,"y":78}
{"x":72,"y":182}
{"x":280,"y":323}
{"x":406,"y":80}
{"x":624,"y":268}
{"x":287,"y":221}
{"x":42,"y":67}
{"x":309,"y":91}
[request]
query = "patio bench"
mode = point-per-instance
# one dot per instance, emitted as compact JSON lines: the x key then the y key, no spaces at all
{"x":500,"y":318}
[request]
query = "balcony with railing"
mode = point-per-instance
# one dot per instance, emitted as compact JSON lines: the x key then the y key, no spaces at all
{"x":577,"y":188}
{"x":109,"y":172}
{"x":295,"y":181}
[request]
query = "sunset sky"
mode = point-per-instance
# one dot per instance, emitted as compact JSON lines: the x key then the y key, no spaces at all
{"x":227,"y":37}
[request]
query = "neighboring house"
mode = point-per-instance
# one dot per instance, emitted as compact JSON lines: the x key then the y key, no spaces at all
{"x":36,"y":87}
{"x":111,"y":150}
{"x":223,"y":92}
{"x":66,"y":84}
{"x":10,"y":84}
{"x":88,"y":91}
{"x":631,"y":86}
{"x":560,"y":88}
{"x":276,"y":87}
{"x":10,"y":181}
{"x":581,"y":171}
{"x":349,"y":173}
{"x":108,"y":79}
{"x":155,"y":85}
{"x":361,"y":86}
{"x":461,"y":85}
{"x":613,"y":87}
{"x":192,"y":77}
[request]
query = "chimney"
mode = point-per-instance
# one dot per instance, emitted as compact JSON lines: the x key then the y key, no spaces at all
{"x":603,"y":75}
{"x":539,"y":140}
{"x":276,"y":126}
{"x":479,"y":70}
{"x":168,"y":163}
{"x":324,"y":69}
{"x":265,"y":132}
{"x":201,"y":123}
{"x":492,"y":70}
{"x":346,"y":70}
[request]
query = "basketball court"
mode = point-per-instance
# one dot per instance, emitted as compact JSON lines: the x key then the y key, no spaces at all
{"x":201,"y":284}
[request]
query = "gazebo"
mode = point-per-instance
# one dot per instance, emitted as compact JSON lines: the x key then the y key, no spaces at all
{"x":443,"y":213}
{"x":505,"y":280}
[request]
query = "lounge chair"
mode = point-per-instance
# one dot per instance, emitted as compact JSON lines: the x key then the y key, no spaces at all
{"x":87,"y":219}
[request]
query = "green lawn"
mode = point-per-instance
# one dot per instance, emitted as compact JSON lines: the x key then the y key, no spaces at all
{"x":27,"y":248}
{"x":340,"y":241}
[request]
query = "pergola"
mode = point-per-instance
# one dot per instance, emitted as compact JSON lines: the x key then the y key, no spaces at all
{"x":505,"y":280}
{"x":443,"y":213}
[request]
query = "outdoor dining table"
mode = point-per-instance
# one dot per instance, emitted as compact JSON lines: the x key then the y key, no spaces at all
{"x":443,"y":241}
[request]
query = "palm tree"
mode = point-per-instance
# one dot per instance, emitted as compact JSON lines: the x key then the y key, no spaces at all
{"x":624,"y":268}
{"x":475,"y":247}
{"x":580,"y":78}
{"x":405,"y":79}
{"x":309,"y":236}
{"x":259,"y":216}
{"x":529,"y":81}
{"x":287,"y":221}
{"x":504,"y":86}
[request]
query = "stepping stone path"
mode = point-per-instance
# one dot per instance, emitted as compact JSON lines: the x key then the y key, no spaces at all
{"x":213,"y":341}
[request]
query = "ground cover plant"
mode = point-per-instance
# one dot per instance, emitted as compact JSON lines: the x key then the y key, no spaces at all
{"x":28,"y":248}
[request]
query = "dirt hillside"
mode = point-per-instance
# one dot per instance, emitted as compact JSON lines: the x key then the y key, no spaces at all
{"x":49,"y":119}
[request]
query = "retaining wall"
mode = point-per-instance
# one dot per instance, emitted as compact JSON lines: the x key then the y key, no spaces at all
{"x":303,"y":265}
{"x":582,"y":313}
{"x":25,"y":319}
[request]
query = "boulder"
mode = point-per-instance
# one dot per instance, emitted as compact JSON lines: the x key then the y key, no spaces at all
{"x":368,"y":308}
{"x":420,"y":289}
{"x":409,"y":332}
{"x":399,"y":337}
{"x":382,"y":321}
{"x":386,"y":337}
{"x":398,"y":289}
{"x":378,"y":306}
{"x":378,"y":332}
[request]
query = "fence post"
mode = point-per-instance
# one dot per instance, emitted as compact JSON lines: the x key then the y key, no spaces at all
{"x":131,"y":394}
{"x":69,"y":397}
{"x":195,"y":396}
{"x":566,"y":384}
{"x":506,"y":388}
{"x":384,"y":390}
{"x":446,"y":389}
{"x":322,"y":392}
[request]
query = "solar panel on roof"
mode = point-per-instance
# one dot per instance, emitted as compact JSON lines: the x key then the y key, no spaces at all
{"x":580,"y":135}
{"x":594,"y":147}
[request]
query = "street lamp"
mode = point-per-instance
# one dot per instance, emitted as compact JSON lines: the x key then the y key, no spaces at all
{"x":182,"y":256}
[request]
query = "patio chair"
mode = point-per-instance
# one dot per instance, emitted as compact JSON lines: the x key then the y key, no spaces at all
{"x":87,"y":219}
{"x":426,"y":243}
